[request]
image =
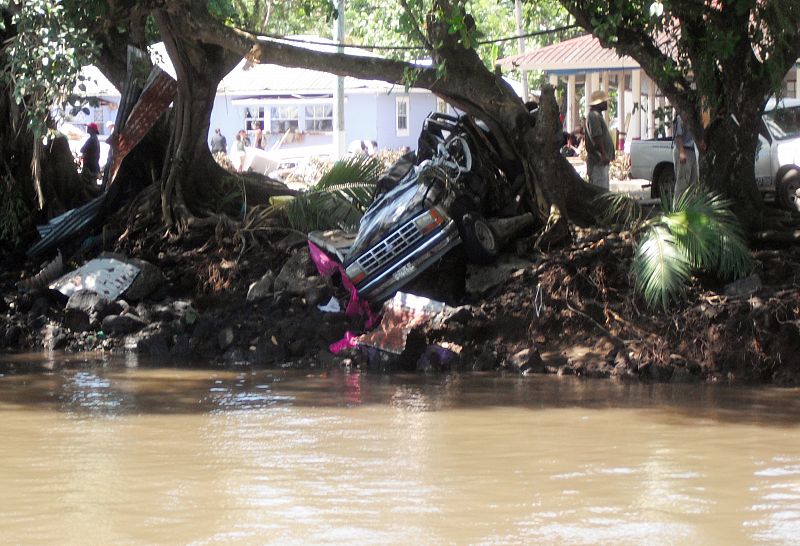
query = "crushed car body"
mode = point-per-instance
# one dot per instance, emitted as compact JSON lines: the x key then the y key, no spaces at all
{"x":402,"y":234}
{"x":426,"y":205}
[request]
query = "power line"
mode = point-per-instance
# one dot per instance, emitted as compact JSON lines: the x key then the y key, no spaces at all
{"x":415,"y":48}
{"x":530,"y":34}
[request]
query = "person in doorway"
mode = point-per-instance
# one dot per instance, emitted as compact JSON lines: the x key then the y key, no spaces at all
{"x":599,"y":147}
{"x":239,"y":153}
{"x":684,"y":156}
{"x":258,"y":137}
{"x":219,"y":144}
{"x":90,"y":154}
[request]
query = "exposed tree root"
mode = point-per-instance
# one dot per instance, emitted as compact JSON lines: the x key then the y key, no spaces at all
{"x":556,"y":231}
{"x":774,"y":236}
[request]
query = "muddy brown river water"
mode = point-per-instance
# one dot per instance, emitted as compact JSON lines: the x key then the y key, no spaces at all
{"x":120,"y":451}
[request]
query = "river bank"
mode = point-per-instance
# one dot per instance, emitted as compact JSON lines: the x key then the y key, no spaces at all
{"x":570,"y":312}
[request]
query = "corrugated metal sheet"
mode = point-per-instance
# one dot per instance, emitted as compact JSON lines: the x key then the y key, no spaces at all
{"x":580,"y":54}
{"x":157,"y":95}
{"x":105,"y":276}
{"x":402,"y":314}
{"x":152,"y":101}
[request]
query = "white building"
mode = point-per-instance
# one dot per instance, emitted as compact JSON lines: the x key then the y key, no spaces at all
{"x":301,"y":101}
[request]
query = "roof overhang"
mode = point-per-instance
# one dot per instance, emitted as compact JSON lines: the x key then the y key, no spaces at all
{"x":578,"y":55}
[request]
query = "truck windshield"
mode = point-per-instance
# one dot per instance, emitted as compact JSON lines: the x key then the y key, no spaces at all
{"x":783,"y":123}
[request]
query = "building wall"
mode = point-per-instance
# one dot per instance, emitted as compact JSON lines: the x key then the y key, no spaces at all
{"x":420,"y":105}
{"x":227,"y":117}
{"x":361,"y":118}
{"x":368,"y":116}
{"x":107,"y":111}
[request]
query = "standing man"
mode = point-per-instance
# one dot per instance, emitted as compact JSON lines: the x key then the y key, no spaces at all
{"x":90,"y":155}
{"x":219,"y":144}
{"x":683,"y":156}
{"x":599,"y":147}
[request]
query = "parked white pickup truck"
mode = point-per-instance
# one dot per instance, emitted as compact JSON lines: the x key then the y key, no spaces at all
{"x":777,"y":160}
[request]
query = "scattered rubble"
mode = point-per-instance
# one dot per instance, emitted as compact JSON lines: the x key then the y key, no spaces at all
{"x":567,"y":313}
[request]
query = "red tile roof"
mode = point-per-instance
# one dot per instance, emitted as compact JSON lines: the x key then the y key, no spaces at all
{"x":576,"y":55}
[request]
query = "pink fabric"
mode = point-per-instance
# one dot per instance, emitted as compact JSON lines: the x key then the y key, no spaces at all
{"x":356,"y":307}
{"x":347,"y":342}
{"x":325,"y":265}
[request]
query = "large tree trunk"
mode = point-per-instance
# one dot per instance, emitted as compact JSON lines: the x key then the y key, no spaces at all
{"x":192,"y":180}
{"x":556,"y":192}
{"x":697,"y":75}
{"x":726,"y":166}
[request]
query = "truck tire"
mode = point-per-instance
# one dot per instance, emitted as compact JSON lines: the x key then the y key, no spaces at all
{"x":787,"y":182}
{"x":664,"y":181}
{"x":480,"y":241}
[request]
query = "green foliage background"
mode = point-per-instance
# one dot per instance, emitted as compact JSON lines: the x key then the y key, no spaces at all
{"x":42,"y":61}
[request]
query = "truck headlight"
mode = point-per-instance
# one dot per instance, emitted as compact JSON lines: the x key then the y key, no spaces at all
{"x":355,"y":273}
{"x":430,"y":220}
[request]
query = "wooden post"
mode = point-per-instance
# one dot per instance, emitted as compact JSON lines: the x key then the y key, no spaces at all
{"x":521,"y":49}
{"x":587,"y":93}
{"x":635,"y":130}
{"x":572,"y":109}
{"x":339,"y":144}
{"x":651,"y":108}
{"x":621,"y":104}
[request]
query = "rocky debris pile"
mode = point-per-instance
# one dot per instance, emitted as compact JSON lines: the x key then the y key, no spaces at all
{"x":274,"y":322}
{"x":571,"y":312}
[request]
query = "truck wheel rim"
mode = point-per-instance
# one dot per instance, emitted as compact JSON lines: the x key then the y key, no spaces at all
{"x":792,"y":189}
{"x":484,"y":235}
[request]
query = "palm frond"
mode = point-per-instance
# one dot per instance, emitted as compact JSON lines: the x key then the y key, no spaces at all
{"x":660,"y":268}
{"x":697,"y":230}
{"x":735,"y":260}
{"x":695,"y":233}
{"x":710,"y":234}
{"x":354,"y":176}
{"x":619,"y":208}
{"x":339,"y":198}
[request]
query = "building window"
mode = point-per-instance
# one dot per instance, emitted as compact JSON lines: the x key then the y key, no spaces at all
{"x":401,"y":108}
{"x":283,"y":118}
{"x":319,"y":117}
{"x":253,"y":114}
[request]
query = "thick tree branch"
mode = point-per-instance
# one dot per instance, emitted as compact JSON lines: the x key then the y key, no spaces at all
{"x":272,"y":51}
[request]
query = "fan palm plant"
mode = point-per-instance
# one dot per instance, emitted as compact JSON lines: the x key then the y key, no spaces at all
{"x":695,"y":231}
{"x":339,"y":198}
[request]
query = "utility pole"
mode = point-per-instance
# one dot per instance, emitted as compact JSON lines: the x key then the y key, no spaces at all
{"x":521,"y":45}
{"x":338,"y":92}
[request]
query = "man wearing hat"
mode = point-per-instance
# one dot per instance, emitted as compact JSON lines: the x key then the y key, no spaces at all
{"x":90,"y":154}
{"x":599,"y":147}
{"x":683,"y":156}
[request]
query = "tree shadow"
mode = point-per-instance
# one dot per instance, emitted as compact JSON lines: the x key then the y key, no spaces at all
{"x":129,"y":384}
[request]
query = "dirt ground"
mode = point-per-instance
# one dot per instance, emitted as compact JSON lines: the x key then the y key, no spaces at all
{"x":572,"y":312}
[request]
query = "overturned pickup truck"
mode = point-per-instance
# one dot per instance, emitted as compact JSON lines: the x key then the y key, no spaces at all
{"x":426,"y":205}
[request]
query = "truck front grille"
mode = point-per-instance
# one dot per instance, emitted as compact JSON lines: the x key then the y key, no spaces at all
{"x":390,"y":248}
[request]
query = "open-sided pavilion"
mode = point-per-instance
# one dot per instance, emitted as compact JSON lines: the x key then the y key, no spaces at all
{"x":584,"y":63}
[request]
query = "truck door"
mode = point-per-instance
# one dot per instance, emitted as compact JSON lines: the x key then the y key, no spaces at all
{"x":763,"y":160}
